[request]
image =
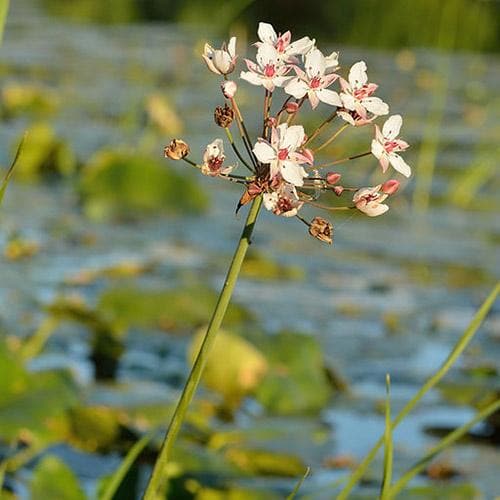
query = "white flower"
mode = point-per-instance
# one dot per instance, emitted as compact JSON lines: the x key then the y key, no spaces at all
{"x":284,"y":201}
{"x":282,"y":155}
{"x":356,"y":94}
{"x":314,"y":81}
{"x":221,"y":61}
{"x":369,"y":200}
{"x":213,"y":158}
{"x":281,"y":43}
{"x":270,"y":71}
{"x":385,"y":145}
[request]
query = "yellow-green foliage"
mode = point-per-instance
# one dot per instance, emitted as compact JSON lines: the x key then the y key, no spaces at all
{"x":125,"y":185}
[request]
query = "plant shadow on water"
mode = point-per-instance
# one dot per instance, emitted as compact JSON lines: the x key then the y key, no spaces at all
{"x":109,"y":270}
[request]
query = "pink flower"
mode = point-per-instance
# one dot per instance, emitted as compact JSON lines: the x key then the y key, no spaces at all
{"x":356,"y":95}
{"x":385,"y":145}
{"x":270,"y":71}
{"x":281,"y":42}
{"x":282,"y":153}
{"x":284,"y":201}
{"x":314,"y":81}
{"x":213,"y":159}
{"x":221,"y":61}
{"x":369,"y":200}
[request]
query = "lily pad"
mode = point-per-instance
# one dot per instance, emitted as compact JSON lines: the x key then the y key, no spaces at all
{"x":168,"y":309}
{"x":18,"y":99}
{"x":258,"y":266}
{"x":53,"y":479}
{"x":126,"y":185}
{"x":234,"y":368}
{"x":34,"y":404}
{"x":44,"y":154}
{"x":297,"y":380}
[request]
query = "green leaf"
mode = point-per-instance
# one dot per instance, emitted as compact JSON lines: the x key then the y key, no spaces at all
{"x":53,"y":479}
{"x":297,"y":381}
{"x":240,"y":372}
{"x":121,"y":185}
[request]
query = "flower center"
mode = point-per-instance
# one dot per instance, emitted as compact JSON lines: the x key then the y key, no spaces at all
{"x":284,"y":205}
{"x":315,"y":82}
{"x":283,"y":154}
{"x":280,"y":45}
{"x":269,"y":70}
{"x":391,"y":146}
{"x":364,"y":91}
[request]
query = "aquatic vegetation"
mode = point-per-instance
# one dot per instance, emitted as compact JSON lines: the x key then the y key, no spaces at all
{"x":45,"y":155}
{"x":117,"y":184}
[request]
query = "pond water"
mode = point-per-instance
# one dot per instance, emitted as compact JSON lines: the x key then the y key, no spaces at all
{"x":391,"y":296}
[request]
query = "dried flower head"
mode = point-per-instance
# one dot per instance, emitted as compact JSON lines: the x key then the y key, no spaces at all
{"x":176,"y":150}
{"x":223,"y":116}
{"x":321,"y":229}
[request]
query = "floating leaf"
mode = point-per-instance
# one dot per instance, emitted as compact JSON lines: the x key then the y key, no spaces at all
{"x":120,"y":185}
{"x":53,"y":479}
{"x":297,"y":381}
{"x":266,"y":463}
{"x":45,"y":154}
{"x":235,"y":367}
{"x":168,"y":309}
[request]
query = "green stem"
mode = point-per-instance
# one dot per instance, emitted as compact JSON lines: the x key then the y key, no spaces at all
{"x":156,"y":481}
{"x":462,"y":343}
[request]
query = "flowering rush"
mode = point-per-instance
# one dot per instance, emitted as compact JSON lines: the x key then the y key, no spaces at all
{"x":281,"y":162}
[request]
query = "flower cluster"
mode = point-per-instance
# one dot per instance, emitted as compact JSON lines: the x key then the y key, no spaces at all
{"x":281,"y":161}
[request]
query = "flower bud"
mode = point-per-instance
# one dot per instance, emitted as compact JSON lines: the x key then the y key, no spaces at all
{"x":321,"y":229}
{"x":176,"y":150}
{"x":333,"y":177}
{"x":291,"y":107}
{"x":390,"y":187}
{"x":271,"y":121}
{"x":223,"y":116}
{"x":229,"y":89}
{"x":338,"y":190}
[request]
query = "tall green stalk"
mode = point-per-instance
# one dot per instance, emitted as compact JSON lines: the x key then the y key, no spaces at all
{"x":157,"y":479}
{"x":4,"y":8}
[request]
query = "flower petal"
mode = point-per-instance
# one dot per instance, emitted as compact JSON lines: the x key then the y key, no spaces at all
{"x":267,"y":33}
{"x":392,"y":126}
{"x":357,"y":75}
{"x":374,"y":209}
{"x":231,"y":47}
{"x":251,"y":77}
{"x":315,"y":63}
{"x":293,"y":137}
{"x":399,"y":164}
{"x":301,"y":46}
{"x":292,"y":173}
{"x":296,"y":88}
{"x":264,"y":152}
{"x":270,"y":200}
{"x":329,"y":97}
{"x":375,"y":105}
{"x":377,"y":149}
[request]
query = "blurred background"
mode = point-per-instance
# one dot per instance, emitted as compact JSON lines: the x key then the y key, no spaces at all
{"x":112,"y":257}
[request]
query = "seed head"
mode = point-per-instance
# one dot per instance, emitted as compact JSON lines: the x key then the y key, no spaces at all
{"x":322,"y":230}
{"x":223,"y":116}
{"x":176,"y":150}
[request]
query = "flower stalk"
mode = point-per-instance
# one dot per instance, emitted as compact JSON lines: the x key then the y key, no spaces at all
{"x":157,"y":479}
